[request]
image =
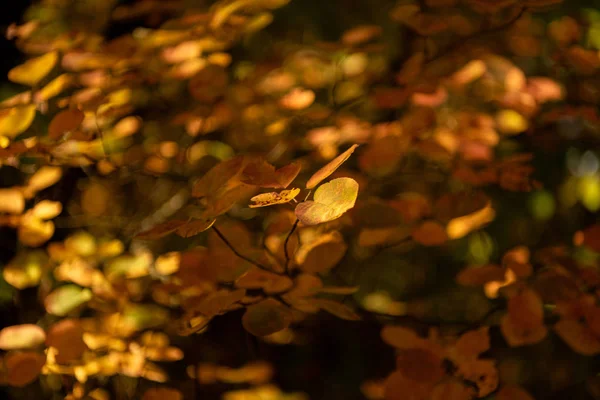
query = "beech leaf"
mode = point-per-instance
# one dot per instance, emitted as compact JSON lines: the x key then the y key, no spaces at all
{"x":272,"y":198}
{"x":331,"y":200}
{"x":330,"y":168}
{"x":24,"y":336}
{"x":32,"y":71}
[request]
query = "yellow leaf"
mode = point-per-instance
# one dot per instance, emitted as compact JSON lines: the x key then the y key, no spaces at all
{"x":33,"y":71}
{"x":461,"y":226}
{"x":329,"y":168}
{"x":33,"y":231}
{"x":24,"y":336}
{"x":272,"y":198}
{"x":331,"y":200}
{"x":54,"y":87}
{"x":44,"y":177}
{"x":11,"y":201}
{"x":46,"y":209}
{"x":16,"y":120}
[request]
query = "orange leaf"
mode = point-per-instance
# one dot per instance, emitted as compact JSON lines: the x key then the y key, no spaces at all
{"x":23,"y":367}
{"x":330,"y":168}
{"x":430,"y":233}
{"x":578,"y":336}
{"x":65,"y":121}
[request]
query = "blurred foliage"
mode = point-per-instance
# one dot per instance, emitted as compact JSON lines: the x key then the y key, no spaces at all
{"x":292,"y":199}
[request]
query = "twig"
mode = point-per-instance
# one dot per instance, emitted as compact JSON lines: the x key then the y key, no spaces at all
{"x":285,"y":245}
{"x":243,"y":257}
{"x":460,"y":43}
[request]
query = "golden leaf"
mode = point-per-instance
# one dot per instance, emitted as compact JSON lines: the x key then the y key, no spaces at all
{"x":34,"y":70}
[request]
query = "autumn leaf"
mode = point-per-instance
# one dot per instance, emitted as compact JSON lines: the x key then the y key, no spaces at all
{"x":19,"y":337}
{"x":272,"y":198}
{"x":34,"y":70}
{"x":330,"y":201}
{"x":65,"y":121}
{"x":330,"y":168}
{"x":265,"y":318}
{"x":16,"y":120}
{"x":66,"y":298}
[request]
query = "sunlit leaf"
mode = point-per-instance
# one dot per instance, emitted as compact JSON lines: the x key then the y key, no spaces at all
{"x":66,"y":298}
{"x":272,"y":198}
{"x":34,"y":231}
{"x":12,"y":201}
{"x":26,"y":336}
{"x":16,"y":120}
{"x":34,"y":70}
{"x":330,"y":168}
{"x":330,"y":201}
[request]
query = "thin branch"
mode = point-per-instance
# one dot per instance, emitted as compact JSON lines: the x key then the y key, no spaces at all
{"x":460,"y":43}
{"x":285,"y":246}
{"x":243,"y":257}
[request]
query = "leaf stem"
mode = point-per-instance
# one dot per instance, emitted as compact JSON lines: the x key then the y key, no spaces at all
{"x":285,"y":245}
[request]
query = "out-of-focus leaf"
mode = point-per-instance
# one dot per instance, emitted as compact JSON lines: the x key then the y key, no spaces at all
{"x":34,"y":70}
{"x":65,"y":121}
{"x":22,"y":368}
{"x":336,"y":308}
{"x":66,"y":336}
{"x":18,"y":337}
{"x":322,"y":254}
{"x":66,"y":298}
{"x":16,"y":120}
{"x":12,"y":201}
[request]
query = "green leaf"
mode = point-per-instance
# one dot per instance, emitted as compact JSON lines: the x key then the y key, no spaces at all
{"x":65,"y":299}
{"x":331,"y":200}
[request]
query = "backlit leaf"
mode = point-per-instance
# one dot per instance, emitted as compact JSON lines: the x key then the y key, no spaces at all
{"x":16,"y":120}
{"x":11,"y":201}
{"x":330,"y":168}
{"x":330,"y":201}
{"x":24,"y":336}
{"x":66,"y":298}
{"x":34,"y":70}
{"x":272,"y":198}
